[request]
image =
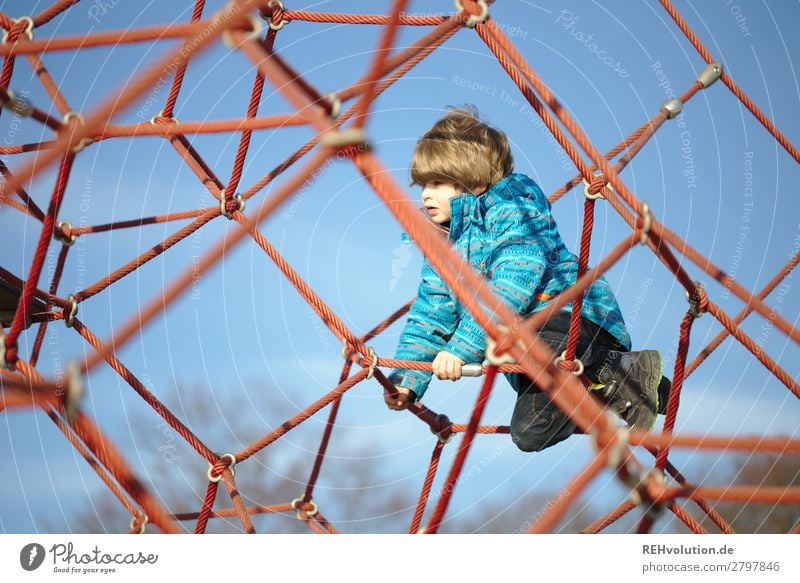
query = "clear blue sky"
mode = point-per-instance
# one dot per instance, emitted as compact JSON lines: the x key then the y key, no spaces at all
{"x":720,"y":181}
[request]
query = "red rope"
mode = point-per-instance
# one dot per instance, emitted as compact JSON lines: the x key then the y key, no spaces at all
{"x":768,"y":289}
{"x":606,"y":521}
{"x":37,"y":345}
{"x":56,"y":9}
{"x":23,"y":307}
{"x":426,"y":487}
{"x":177,"y":83}
{"x":377,"y":19}
{"x":558,"y":507}
{"x":741,"y":95}
{"x":463,"y":450}
{"x":583,"y":264}
{"x":677,"y":384}
{"x":205,"y":511}
{"x":385,"y":69}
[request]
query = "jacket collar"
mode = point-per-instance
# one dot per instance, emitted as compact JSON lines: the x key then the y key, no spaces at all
{"x":467,"y":208}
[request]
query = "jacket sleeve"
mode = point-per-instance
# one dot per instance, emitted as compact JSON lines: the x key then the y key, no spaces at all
{"x":431,"y":322}
{"x":517,"y":265}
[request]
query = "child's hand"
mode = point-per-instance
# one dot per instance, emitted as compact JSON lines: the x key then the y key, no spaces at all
{"x":401,"y":400}
{"x":447,"y":366}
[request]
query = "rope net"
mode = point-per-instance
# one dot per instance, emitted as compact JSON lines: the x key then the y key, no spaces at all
{"x":339,"y":120}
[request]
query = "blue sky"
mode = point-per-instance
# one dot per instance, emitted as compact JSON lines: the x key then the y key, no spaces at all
{"x":719,"y":180}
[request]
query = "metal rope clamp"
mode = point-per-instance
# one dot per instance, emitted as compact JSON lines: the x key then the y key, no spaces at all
{"x":616,"y":450}
{"x":599,"y":194}
{"x":75,"y":391}
{"x":710,"y":75}
{"x":160,"y":116}
{"x":69,"y":318}
{"x":491,"y":347}
{"x":141,"y":527}
{"x":74,"y":115}
{"x":694,"y":302}
{"x":653,"y":510}
{"x":223,"y":206}
{"x":347,"y":351}
{"x":308,"y":513}
{"x":445,"y":434}
{"x":340,"y":139}
{"x":673,"y":107}
{"x":374,"y":364}
{"x":272,"y":4}
{"x":563,"y":358}
{"x":63,"y":233}
{"x":474,"y":19}
{"x":256,"y":26}
{"x":28,"y":28}
{"x":336,"y":104}
{"x":214,"y":479}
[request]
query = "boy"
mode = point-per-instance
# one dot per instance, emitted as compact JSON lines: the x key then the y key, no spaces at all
{"x":501,"y":223}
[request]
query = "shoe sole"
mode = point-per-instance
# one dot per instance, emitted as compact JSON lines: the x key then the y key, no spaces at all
{"x":644,"y":417}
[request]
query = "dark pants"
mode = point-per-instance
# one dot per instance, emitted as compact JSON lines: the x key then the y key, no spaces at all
{"x":537,"y":422}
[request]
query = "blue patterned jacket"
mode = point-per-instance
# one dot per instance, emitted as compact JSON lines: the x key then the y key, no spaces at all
{"x":508,"y":235}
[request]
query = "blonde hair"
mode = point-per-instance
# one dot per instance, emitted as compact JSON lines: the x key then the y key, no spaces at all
{"x":462,"y":149}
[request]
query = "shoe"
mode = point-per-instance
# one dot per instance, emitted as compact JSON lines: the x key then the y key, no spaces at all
{"x":664,"y":387}
{"x":631,"y":382}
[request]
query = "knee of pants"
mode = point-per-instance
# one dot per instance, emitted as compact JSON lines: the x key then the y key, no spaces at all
{"x":529,"y":443}
{"x":531,"y":437}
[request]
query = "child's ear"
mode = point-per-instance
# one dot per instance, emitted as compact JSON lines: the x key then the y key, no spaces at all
{"x":478,"y":191}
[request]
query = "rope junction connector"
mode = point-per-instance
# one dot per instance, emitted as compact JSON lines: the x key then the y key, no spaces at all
{"x":445,"y":432}
{"x":616,"y":451}
{"x":595,"y":189}
{"x":223,"y":206}
{"x":19,"y":106}
{"x":648,"y":222}
{"x":214,"y":479}
{"x":256,"y":27}
{"x":673,"y":107}
{"x":336,"y":104}
{"x":28,"y":31}
{"x":710,"y":75}
{"x":696,"y":303}
{"x":160,"y":117}
{"x":62,"y":233}
{"x":69,"y":318}
{"x":296,"y":504}
{"x":74,"y":115}
{"x":491,"y":354}
{"x":474,"y":19}
{"x":639,"y":494}
{"x":75,"y":391}
{"x":139,"y":522}
{"x":339,"y":139}
{"x":374,"y":364}
{"x":562,"y":358}
{"x":275,"y":8}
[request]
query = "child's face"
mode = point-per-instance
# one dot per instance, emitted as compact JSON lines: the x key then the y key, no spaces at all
{"x":436,"y":198}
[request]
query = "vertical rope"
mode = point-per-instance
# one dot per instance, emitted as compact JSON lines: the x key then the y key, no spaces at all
{"x":23,"y":307}
{"x":577,"y":305}
{"x":463,"y":450}
{"x":677,"y":384}
{"x":426,"y":487}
